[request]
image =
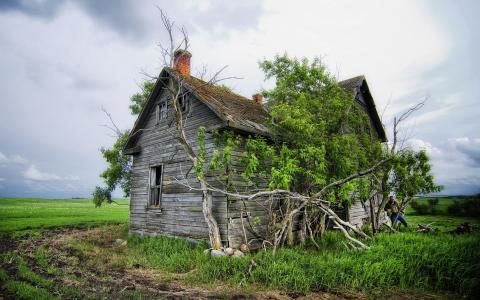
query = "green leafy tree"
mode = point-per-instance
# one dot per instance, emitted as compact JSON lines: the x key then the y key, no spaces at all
{"x":101,"y":195}
{"x":321,"y":134}
{"x":409,"y":174}
{"x":118,"y":172}
{"x":139,"y":99}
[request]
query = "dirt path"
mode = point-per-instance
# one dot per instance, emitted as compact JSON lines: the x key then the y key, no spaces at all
{"x":69,"y":273}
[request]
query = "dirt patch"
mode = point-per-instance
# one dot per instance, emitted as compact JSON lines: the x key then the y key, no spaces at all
{"x":86,"y":263}
{"x":94,"y":274}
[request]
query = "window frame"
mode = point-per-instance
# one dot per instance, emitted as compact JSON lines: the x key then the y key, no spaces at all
{"x":161,"y":111}
{"x":152,"y":186}
{"x":184,"y":102}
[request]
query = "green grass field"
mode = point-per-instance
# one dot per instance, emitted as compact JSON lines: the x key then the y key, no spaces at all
{"x":23,"y":215}
{"x":442,"y":205}
{"x":441,"y":221}
{"x":406,"y":263}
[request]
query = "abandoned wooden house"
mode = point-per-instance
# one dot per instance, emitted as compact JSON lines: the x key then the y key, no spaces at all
{"x":159,"y":203}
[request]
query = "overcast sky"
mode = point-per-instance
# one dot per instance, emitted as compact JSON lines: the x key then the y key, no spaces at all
{"x":61,"y":61}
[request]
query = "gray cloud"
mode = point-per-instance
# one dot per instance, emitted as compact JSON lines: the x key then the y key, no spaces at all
{"x":43,"y":9}
{"x":235,"y":15}
{"x":88,"y":54}
{"x":470,"y":148}
{"x":141,"y":19}
{"x":120,"y":15}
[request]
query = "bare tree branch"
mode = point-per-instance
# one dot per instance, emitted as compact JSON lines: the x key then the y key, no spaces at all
{"x":113,"y":126}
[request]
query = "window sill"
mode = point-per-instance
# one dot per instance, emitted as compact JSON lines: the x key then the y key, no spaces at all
{"x":154,"y":208}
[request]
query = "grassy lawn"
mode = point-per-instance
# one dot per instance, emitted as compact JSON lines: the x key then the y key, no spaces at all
{"x":23,"y":215}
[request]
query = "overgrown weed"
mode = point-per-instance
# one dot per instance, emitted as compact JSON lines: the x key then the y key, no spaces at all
{"x":405,"y":261}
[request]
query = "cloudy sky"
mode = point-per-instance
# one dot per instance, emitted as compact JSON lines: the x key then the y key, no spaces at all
{"x":61,"y":61}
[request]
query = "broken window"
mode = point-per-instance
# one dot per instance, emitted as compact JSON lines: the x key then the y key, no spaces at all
{"x":183,"y":102}
{"x":156,"y":179}
{"x":163,"y":110}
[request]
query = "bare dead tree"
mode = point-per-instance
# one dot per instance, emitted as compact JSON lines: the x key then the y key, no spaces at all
{"x":177,"y":90}
{"x":112,"y":126}
{"x":397,"y":121}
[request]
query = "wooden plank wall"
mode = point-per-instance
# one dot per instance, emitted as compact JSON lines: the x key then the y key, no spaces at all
{"x":246,"y":218}
{"x":181,"y":208}
{"x":359,"y":214}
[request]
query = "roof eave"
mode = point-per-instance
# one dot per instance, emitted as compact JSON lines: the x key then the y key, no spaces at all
{"x":153,"y":95}
{"x":373,"y":110}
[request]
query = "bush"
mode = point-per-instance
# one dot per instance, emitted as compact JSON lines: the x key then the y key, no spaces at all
{"x":429,"y":208}
{"x":420,"y":208}
{"x":465,"y":208}
{"x":432,"y":205}
{"x":101,"y":195}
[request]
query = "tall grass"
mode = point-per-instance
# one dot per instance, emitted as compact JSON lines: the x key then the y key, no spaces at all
{"x":400,"y":261}
{"x":168,"y":253}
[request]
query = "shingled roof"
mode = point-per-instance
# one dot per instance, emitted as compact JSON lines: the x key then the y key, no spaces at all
{"x":238,"y":112}
{"x":352,"y":83}
{"x":358,"y":85}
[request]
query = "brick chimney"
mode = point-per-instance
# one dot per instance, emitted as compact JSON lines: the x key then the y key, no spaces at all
{"x":258,"y":98}
{"x":181,"y":61}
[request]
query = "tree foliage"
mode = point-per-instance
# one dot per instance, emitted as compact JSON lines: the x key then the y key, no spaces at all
{"x":320,"y":133}
{"x":139,"y":99}
{"x":118,"y":169}
{"x":101,"y":195}
{"x":410,"y":175}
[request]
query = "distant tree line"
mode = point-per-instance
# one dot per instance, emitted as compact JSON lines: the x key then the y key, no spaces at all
{"x":462,"y":206}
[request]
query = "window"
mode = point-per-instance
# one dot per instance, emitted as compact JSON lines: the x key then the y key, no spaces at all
{"x":156,"y":179}
{"x":161,"y":111}
{"x":183,"y":102}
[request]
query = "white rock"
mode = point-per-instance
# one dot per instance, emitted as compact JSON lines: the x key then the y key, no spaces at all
{"x":217,"y":253}
{"x":207,"y":251}
{"x":229,"y":251}
{"x":238,"y":253}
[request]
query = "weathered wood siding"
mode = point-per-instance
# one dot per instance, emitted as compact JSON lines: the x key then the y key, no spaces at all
{"x":181,"y":208}
{"x":359,"y":213}
{"x":247,"y":220}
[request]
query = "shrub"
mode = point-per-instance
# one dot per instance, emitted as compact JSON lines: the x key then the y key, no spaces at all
{"x":429,"y":208}
{"x":420,"y":208}
{"x":455,"y":208}
{"x":101,"y":195}
{"x":466,"y":208}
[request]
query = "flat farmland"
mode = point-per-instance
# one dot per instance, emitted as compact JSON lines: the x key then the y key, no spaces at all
{"x":21,"y":215}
